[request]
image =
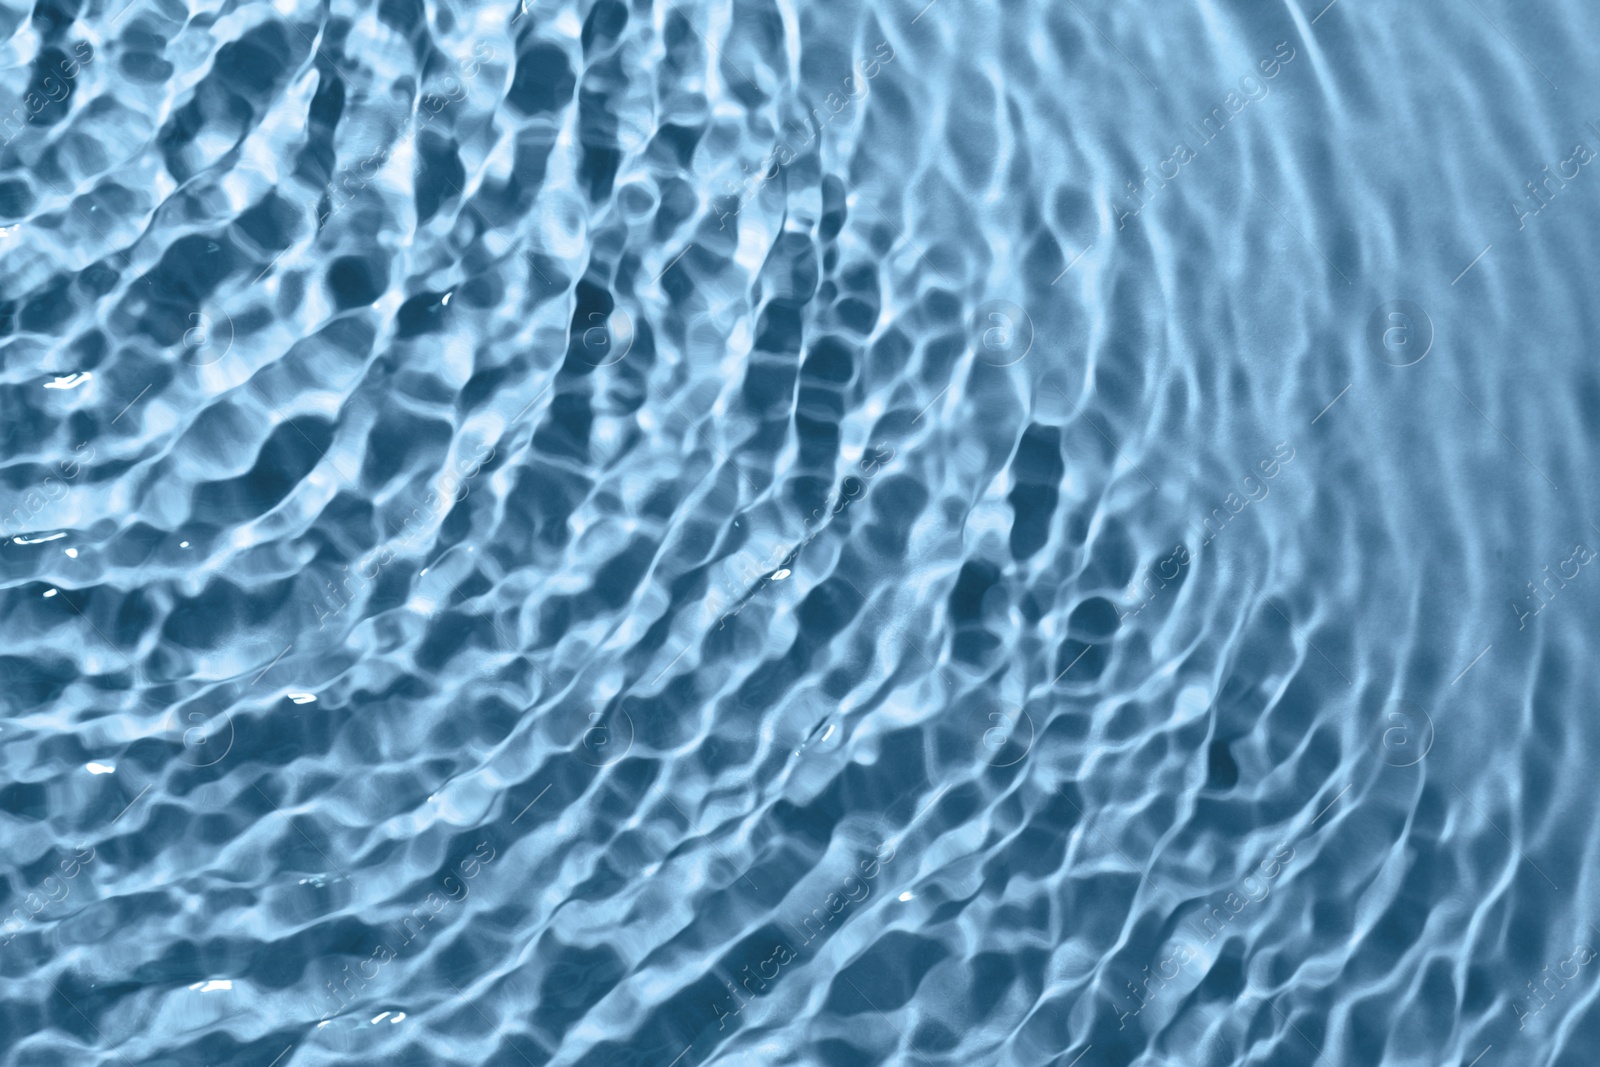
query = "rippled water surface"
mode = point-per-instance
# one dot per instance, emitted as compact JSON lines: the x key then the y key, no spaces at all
{"x":752,"y":533}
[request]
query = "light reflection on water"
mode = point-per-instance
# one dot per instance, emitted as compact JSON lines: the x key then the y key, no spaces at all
{"x":511,"y":510}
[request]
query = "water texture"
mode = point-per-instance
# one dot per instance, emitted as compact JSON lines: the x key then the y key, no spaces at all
{"x":1038,"y":534}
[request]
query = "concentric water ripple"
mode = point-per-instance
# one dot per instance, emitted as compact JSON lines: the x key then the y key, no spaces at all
{"x":1033,"y":535}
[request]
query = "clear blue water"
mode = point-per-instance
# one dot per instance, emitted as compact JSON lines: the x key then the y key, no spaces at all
{"x":744,"y":533}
